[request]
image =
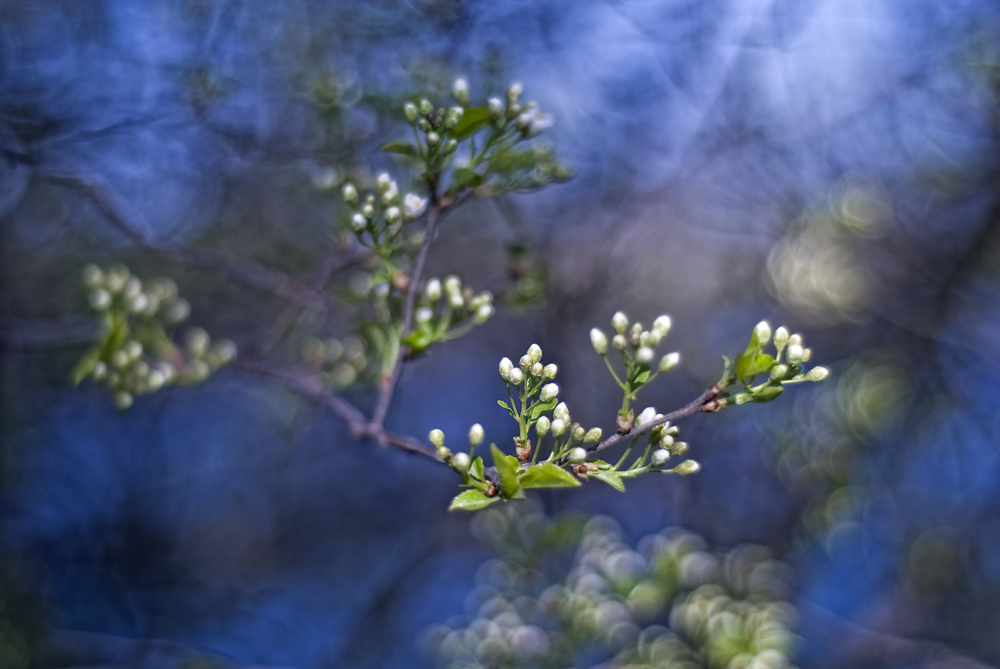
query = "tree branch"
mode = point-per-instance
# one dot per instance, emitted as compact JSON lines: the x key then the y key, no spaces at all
{"x":389,"y":385}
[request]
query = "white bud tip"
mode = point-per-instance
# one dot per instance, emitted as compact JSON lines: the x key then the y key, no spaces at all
{"x":619,"y":342}
{"x":578,"y":454}
{"x":549,"y":371}
{"x":593,"y":435}
{"x":460,"y":461}
{"x":437,"y":438}
{"x":476,"y":434}
{"x":818,"y":373}
{"x":662,"y":325}
{"x":619,"y":322}
{"x":549,"y":391}
{"x":669,"y":361}
{"x":644,"y":355}
{"x":762,"y":332}
{"x":599,"y":341}
{"x":542,"y":426}
{"x":794,"y":354}
{"x":648,"y":414}
{"x":516,"y":376}
{"x":688,"y":467}
{"x":535,"y":352}
{"x":558,"y":427}
{"x":660,"y":457}
{"x":506,"y":366}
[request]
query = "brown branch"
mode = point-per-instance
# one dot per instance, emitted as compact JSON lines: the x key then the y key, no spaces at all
{"x":129,"y":223}
{"x":691,"y":407}
{"x":389,"y":385}
{"x":358,"y":424}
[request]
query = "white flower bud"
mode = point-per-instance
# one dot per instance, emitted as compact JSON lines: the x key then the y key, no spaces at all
{"x":679,"y":448}
{"x":535,"y":352}
{"x":549,"y":372}
{"x":795,"y":340}
{"x":526,"y":362}
{"x":225,"y":351}
{"x":660,"y":457}
{"x":455,"y":300}
{"x":423,"y":315}
{"x":619,"y":342}
{"x":652,"y":338}
{"x":483,"y":313}
{"x":93,"y":277}
{"x":460,"y":461}
{"x":549,"y":391}
{"x":133,"y":350}
{"x":523,"y":121}
{"x":516,"y":376}
{"x":599,"y":341}
{"x":662,"y":325}
{"x":807,"y":353}
{"x":452,"y":284}
{"x":178,"y":311}
{"x":100,"y":299}
{"x":506,"y":366}
{"x":414,"y":205}
{"x":138,"y":303}
{"x":794,"y":354}
{"x":666,"y":441}
{"x":450,"y":146}
{"x":558,"y":427}
{"x":780,"y":337}
{"x":410,"y":110}
{"x":495,"y":107}
{"x":476,"y":434}
{"x":578,"y":432}
{"x":644,"y":355}
{"x":123,"y":400}
{"x":561,"y":411}
{"x":433,"y":290}
{"x":433,"y":138}
{"x":578,"y":454}
{"x":593,"y":435}
{"x":687,"y":467}
{"x":120,"y":359}
{"x":762,"y":332}
{"x":133,"y":286}
{"x":514,"y":92}
{"x":425,"y":106}
{"x":537,"y":369}
{"x":350,"y":194}
{"x":669,"y":361}
{"x":619,"y":322}
{"x":648,"y":414}
{"x":460,"y":91}
{"x":542,"y":426}
{"x":392,"y":214}
{"x":778,"y":372}
{"x":197,"y":342}
{"x":155,"y":380}
{"x":817,"y":374}
{"x":367,"y":210}
{"x":437,"y":438}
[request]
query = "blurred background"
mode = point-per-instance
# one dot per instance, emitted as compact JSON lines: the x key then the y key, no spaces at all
{"x":830,"y":166}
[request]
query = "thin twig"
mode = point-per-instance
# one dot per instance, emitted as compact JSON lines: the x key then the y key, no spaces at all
{"x":691,"y":407}
{"x":311,"y":389}
{"x":389,"y":385}
{"x":128,"y":222}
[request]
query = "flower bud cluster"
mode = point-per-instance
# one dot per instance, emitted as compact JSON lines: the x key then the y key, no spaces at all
{"x":446,"y":310}
{"x":135,"y":355}
{"x":725,"y":609}
{"x":784,"y":368}
{"x":377,"y":218}
{"x":339,"y":363}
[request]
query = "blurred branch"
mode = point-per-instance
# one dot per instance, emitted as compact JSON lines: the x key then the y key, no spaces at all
{"x":869,"y":645}
{"x":389,"y":385}
{"x":244,"y":271}
{"x":358,"y":424}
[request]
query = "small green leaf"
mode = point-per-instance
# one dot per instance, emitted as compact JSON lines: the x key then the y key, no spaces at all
{"x":509,"y":410}
{"x":464,"y":177}
{"x":476,"y":468}
{"x":643,"y":375}
{"x":507,"y":466}
{"x":759,"y":364}
{"x":767,"y":393}
{"x":473,"y":120}
{"x":609,"y":477}
{"x":417,"y":341}
{"x":85,"y":366}
{"x":548,"y":475}
{"x":470,"y":500}
{"x":399,"y":146}
{"x":542,"y":407}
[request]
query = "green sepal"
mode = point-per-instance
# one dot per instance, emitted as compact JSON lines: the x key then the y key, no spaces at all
{"x":542,"y":407}
{"x":507,"y":466}
{"x":473,"y":120}
{"x":609,"y":477}
{"x":464,"y":177}
{"x":548,"y":475}
{"x":470,"y":500}
{"x":399,"y":146}
{"x":476,"y":468}
{"x":417,"y":341}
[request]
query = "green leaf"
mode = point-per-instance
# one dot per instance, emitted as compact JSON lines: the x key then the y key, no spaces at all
{"x":767,"y":393}
{"x":471,"y":500}
{"x":417,"y":341}
{"x":85,"y":366}
{"x":473,"y":120}
{"x":399,"y":146}
{"x":507,"y":466}
{"x":548,"y":475}
{"x":542,"y":407}
{"x":758,"y":364}
{"x":476,"y":468}
{"x":643,"y":375}
{"x":509,"y":410}
{"x":609,"y":477}
{"x":464,"y":177}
